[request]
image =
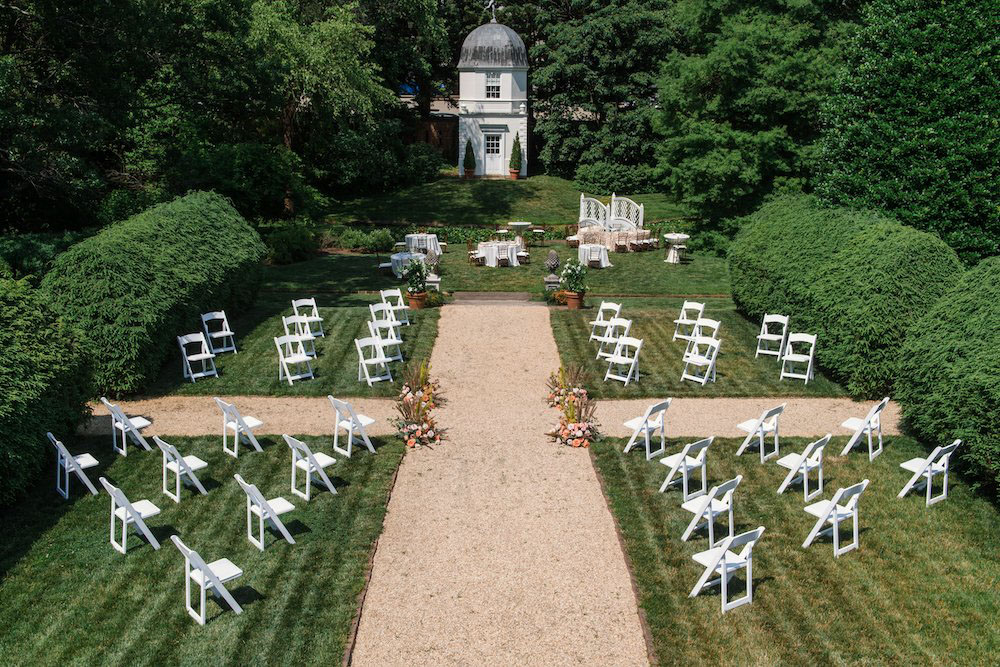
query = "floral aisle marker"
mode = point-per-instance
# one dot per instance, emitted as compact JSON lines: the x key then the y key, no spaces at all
{"x":418,"y":398}
{"x":577,"y":425}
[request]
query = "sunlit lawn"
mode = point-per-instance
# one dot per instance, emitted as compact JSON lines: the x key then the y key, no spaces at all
{"x":254,"y":370}
{"x":660,"y":366}
{"x":67,"y":597}
{"x":922,"y":588}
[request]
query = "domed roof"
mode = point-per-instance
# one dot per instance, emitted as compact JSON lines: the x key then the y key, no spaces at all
{"x":493,"y":45}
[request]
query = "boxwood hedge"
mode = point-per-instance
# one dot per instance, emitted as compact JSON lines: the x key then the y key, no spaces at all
{"x":44,"y":375}
{"x":856,"y":279}
{"x":949,"y":376}
{"x":141,"y":282}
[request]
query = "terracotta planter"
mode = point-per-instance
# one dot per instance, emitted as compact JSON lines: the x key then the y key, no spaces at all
{"x":574,"y":300}
{"x":514,"y":173}
{"x":470,"y":173}
{"x":417,"y":301}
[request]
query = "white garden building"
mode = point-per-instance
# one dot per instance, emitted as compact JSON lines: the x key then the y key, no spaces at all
{"x":493,"y":98}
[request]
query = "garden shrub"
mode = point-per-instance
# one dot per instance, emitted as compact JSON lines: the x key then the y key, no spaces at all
{"x":44,"y":375}
{"x":949,"y":374}
{"x":289,"y":241}
{"x":853,"y":278}
{"x":31,"y":255}
{"x":141,"y":282}
{"x":607,"y":177}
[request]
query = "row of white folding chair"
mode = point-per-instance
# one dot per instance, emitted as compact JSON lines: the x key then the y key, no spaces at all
{"x":394,"y":299}
{"x":308,"y":309}
{"x":795,"y":351}
{"x":301,"y":326}
{"x":385,"y":326}
{"x":768,"y":336}
{"x":605,"y":313}
{"x":684,"y":325}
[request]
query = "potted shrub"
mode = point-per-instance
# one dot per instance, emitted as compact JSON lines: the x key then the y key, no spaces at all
{"x":470,"y":160}
{"x":415,"y":275}
{"x":571,"y":280}
{"x":515,"y":158}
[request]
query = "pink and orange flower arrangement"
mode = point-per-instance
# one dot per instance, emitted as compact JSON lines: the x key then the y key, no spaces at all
{"x":577,"y":426}
{"x":419,"y":396}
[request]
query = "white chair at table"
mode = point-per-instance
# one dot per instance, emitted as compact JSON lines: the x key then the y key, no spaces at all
{"x":183,"y":468}
{"x":298,"y":325}
{"x":221,"y":337}
{"x":768,"y":336}
{"x":126,"y":427}
{"x":684,"y":324}
{"x":842,"y":507}
{"x":66,"y":463}
{"x":800,"y":465}
{"x":210,"y":577}
{"x":312,"y":464}
{"x":242,"y":427}
{"x":266,"y":512}
{"x":345,"y":418}
{"x":129,"y":514}
{"x":693,"y":457}
{"x":870,"y":425}
{"x":605,"y":314}
{"x":394,"y":299}
{"x":766,"y":424}
{"x":654,"y":420}
{"x":310,"y":310}
{"x":292,"y":355}
{"x":725,"y":563}
{"x":925,"y":469}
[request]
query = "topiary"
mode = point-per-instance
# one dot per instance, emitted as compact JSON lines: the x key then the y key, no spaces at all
{"x":470,"y":156}
{"x":949,"y":373}
{"x":515,"y":154}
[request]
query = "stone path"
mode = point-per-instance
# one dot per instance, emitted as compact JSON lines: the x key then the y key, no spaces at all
{"x":498,"y":546}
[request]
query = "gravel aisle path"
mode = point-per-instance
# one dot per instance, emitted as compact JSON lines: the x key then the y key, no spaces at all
{"x":702,"y":417}
{"x":498,"y":546}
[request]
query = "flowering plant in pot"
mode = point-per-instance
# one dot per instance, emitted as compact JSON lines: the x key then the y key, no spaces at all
{"x":572,"y":281}
{"x":470,"y":160}
{"x":515,"y":158}
{"x":417,"y":399}
{"x":415,"y":275}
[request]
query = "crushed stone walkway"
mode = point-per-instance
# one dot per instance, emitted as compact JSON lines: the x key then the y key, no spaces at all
{"x":498,"y":546}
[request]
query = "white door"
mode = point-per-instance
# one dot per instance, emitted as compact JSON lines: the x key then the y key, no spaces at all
{"x":493,"y":148}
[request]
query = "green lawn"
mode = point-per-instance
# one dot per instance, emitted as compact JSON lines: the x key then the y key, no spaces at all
{"x":642,"y":273}
{"x":254,"y":370}
{"x":920,"y":590}
{"x":544,"y":200}
{"x":738,"y":372}
{"x":67,"y":597}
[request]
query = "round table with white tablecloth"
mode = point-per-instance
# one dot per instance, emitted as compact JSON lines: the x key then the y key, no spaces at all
{"x":491,"y":249}
{"x":673,"y":240}
{"x":593,"y":251}
{"x":400,"y":260}
{"x":423,"y":243}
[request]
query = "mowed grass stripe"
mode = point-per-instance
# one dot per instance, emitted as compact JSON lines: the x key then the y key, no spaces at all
{"x":922,"y":585}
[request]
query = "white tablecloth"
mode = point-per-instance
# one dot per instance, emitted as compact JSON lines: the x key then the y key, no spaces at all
{"x":607,"y":239}
{"x":587,"y":249}
{"x":490,"y":250}
{"x":425,"y":242}
{"x":401,"y":259}
{"x":674,"y":240}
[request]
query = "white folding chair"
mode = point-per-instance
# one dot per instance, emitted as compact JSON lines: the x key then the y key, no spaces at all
{"x":265,"y":511}
{"x":210,"y":577}
{"x":703,"y":328}
{"x":391,"y":344}
{"x":699,"y":360}
{"x":219,"y":334}
{"x":605,"y":313}
{"x":718,"y":500}
{"x":125,"y":427}
{"x":344,"y":417}
{"x":794,"y":359}
{"x":800,"y":465}
{"x":766,"y":424}
{"x":924,"y":470}
{"x":723,"y":562}
{"x":373,"y":367}
{"x":242,"y":427}
{"x":394,"y":299}
{"x":383,"y":317}
{"x":292,"y":354}
{"x":844,"y":506}
{"x":871,"y":424}
{"x":311,"y":464}
{"x":183,"y":469}
{"x":308,"y":308}
{"x":194,"y":350}
{"x":623,"y":364}
{"x":770,"y":335}
{"x":130,"y":514}
{"x":298,"y":325}
{"x":654,"y":419}
{"x":66,"y":463}
{"x":684,"y":324}
{"x":693,"y":457}
{"x":608,"y":339}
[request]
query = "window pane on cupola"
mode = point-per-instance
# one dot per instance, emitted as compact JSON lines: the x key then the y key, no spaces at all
{"x":493,"y":85}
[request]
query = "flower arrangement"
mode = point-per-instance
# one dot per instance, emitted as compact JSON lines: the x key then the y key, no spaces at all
{"x":572,"y":277}
{"x":419,"y":396}
{"x":566,"y":383}
{"x":415,"y":273}
{"x":577,"y":426}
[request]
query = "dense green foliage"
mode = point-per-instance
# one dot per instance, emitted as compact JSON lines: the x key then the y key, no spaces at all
{"x":950,"y":374}
{"x":913,"y":127}
{"x":141,"y":282}
{"x":31,"y":255}
{"x":44,"y":375}
{"x":740,"y":98}
{"x":854,"y":279}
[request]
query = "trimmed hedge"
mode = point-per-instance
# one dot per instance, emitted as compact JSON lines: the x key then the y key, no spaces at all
{"x":143,"y":281}
{"x":949,"y":378}
{"x":44,"y":375}
{"x":856,"y":279}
